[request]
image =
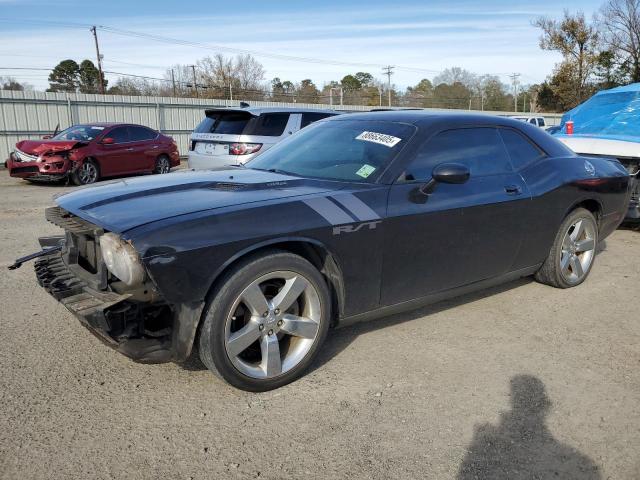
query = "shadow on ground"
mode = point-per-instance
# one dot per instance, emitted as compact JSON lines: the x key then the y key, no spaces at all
{"x":521,"y":446}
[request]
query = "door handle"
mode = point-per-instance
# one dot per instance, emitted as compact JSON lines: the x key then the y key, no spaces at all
{"x":513,"y":189}
{"x":129,"y":149}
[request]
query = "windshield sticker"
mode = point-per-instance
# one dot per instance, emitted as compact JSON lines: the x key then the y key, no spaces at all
{"x":367,"y":170}
{"x":381,"y":138}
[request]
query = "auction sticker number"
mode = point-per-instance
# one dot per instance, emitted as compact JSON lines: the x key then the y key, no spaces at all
{"x":380,"y":138}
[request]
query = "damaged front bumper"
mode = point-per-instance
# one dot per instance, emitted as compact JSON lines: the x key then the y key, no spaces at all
{"x":44,"y":169}
{"x":146,"y":332}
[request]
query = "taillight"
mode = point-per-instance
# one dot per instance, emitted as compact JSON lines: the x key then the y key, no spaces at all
{"x":244,"y":148}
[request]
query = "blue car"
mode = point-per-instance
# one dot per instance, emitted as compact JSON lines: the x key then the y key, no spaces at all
{"x":608,"y":125}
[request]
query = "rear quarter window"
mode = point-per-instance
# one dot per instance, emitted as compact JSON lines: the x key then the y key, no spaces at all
{"x":309,"y":118}
{"x":522,"y":151}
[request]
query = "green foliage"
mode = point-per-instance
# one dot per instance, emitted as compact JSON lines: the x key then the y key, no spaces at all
{"x":68,"y":76}
{"x":64,"y":77}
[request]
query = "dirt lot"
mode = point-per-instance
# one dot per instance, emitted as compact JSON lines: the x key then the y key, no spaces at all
{"x":522,"y":381}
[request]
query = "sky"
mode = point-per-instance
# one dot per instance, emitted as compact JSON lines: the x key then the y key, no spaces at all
{"x":420,"y":38}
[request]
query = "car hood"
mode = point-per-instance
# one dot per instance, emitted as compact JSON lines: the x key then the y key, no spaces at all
{"x":124,"y":204}
{"x":38,"y":147}
{"x":591,"y":145}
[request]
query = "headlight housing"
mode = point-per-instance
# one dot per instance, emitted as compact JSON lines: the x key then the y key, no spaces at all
{"x":121,"y":259}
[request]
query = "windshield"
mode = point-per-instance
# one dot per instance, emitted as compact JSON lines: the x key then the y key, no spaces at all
{"x":82,"y":133}
{"x":349,"y":150}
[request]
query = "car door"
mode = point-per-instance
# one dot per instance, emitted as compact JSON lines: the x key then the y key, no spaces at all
{"x":114,"y":157}
{"x":460,"y":233}
{"x":143,"y":150}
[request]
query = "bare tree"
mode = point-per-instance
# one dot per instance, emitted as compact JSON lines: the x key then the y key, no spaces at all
{"x":577,"y":41}
{"x":620,"y":24}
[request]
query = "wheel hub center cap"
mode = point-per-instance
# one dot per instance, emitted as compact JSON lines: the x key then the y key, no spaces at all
{"x":271,"y":319}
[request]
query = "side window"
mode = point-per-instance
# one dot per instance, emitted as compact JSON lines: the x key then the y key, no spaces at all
{"x":541,"y":122}
{"x":270,"y":124}
{"x":141,"y":134}
{"x":119,"y":135}
{"x":533,"y":120}
{"x":309,"y":118}
{"x":481,"y":149}
{"x":521,"y":150}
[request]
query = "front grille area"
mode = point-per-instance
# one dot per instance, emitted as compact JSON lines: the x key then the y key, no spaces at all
{"x":24,"y":170}
{"x":63,"y":219}
{"x":56,"y":278}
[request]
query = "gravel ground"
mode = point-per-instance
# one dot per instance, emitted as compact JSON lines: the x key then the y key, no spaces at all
{"x":521,"y":381}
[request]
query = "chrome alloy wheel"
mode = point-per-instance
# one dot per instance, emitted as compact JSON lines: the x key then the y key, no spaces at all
{"x":578,"y":250}
{"x":163,"y":165}
{"x":88,"y":173}
{"x":273,"y":324}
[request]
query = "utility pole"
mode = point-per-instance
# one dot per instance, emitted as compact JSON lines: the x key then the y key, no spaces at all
{"x":380,"y":94}
{"x":388,"y":71}
{"x":514,"y":80}
{"x":331,"y":89}
{"x":195,"y":86}
{"x":230,"y":91}
{"x":173,"y":81}
{"x":524,"y":102}
{"x":95,"y":37}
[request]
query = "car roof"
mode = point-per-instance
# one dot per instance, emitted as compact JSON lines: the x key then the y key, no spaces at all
{"x":257,"y":111}
{"x":112,"y":124}
{"x":424,"y":118}
{"x":429,"y":121}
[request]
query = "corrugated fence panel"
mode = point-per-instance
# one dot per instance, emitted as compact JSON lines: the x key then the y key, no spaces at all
{"x":30,"y":115}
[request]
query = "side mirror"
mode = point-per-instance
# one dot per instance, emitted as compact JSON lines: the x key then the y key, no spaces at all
{"x":454,"y":173}
{"x":108,"y":141}
{"x":451,"y":173}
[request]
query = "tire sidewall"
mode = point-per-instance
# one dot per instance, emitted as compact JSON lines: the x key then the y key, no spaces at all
{"x":212,"y":335}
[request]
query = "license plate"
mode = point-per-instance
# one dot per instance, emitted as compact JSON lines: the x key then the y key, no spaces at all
{"x":216,"y":149}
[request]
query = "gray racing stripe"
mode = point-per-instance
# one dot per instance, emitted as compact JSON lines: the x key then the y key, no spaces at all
{"x":331,"y":212}
{"x":356,"y":206}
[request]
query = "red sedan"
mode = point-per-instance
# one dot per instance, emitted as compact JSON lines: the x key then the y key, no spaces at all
{"x":86,"y":153}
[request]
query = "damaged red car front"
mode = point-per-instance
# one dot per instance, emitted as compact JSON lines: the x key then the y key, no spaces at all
{"x":45,"y":160}
{"x":87,"y":153}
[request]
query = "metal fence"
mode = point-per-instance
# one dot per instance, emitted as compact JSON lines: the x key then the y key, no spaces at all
{"x":30,"y":115}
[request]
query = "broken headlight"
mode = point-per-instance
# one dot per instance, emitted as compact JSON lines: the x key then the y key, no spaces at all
{"x":121,"y":259}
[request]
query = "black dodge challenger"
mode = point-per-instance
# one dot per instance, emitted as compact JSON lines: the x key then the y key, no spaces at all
{"x":354,"y":217}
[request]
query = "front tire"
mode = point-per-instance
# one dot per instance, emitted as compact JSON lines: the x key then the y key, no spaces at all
{"x":573,"y":251}
{"x":266,"y":321}
{"x":163,"y":165}
{"x":86,"y":174}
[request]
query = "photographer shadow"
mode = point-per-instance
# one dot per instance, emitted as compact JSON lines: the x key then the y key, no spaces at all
{"x":521,"y":446}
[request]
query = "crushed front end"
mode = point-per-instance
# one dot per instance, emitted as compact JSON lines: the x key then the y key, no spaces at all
{"x":135,"y":320}
{"x":48,"y":167}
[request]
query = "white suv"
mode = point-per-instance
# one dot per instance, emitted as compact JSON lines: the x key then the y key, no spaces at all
{"x":233,"y":136}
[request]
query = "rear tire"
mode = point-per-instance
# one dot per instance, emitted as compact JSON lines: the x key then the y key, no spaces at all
{"x":87,"y":173}
{"x":247,"y":340}
{"x":573,"y":252}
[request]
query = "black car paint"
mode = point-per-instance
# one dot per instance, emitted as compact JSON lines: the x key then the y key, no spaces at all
{"x":190,"y":227}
